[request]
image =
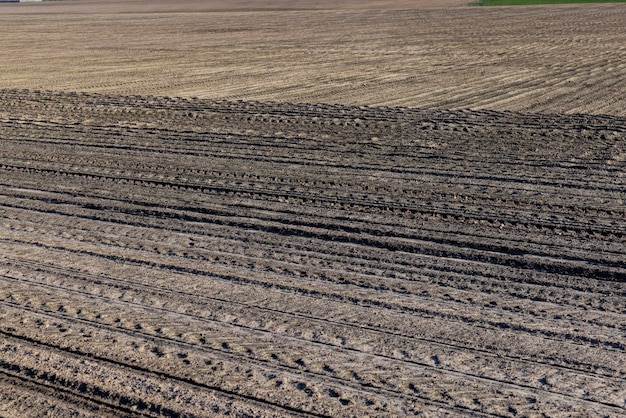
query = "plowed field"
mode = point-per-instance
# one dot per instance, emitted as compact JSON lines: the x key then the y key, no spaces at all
{"x":186,"y":257}
{"x":565,"y":59}
{"x":185,"y":233}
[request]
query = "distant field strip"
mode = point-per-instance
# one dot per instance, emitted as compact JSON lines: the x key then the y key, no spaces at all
{"x":181,"y":257}
{"x":552,"y":59}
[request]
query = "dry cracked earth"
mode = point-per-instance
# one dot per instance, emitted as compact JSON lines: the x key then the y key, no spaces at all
{"x":187,"y":231}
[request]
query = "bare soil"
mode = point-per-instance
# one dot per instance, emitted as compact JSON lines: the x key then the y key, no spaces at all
{"x":187,"y":257}
{"x":563,"y":59}
{"x":202,"y":212}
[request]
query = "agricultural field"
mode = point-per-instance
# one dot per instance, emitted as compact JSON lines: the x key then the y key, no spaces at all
{"x":232,"y":223}
{"x":549,"y":59}
{"x":175,"y":257}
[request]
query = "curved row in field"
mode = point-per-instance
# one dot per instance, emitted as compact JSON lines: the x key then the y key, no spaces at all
{"x":559,"y":59}
{"x":182,"y":257}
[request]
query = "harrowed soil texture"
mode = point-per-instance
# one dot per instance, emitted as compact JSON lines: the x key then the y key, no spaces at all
{"x":170,"y":257}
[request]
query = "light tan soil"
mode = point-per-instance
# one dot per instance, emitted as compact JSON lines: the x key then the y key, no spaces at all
{"x":541,"y":59}
{"x":175,"y":257}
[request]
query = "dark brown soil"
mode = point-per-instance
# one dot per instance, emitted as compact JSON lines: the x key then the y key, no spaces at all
{"x":180,"y":257}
